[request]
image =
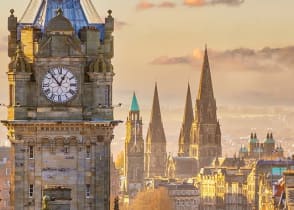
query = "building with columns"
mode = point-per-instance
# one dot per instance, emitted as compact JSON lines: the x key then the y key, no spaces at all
{"x":60,"y":114}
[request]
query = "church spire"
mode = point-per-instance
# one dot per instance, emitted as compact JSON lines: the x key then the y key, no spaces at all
{"x":135,"y":105}
{"x":205,"y":87}
{"x":155,"y":142}
{"x":155,"y":113}
{"x":184,"y":138}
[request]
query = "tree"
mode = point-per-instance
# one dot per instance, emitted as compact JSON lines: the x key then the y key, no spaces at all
{"x":157,"y":199}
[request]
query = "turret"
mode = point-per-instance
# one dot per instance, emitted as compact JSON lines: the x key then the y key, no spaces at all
{"x":108,"y":42}
{"x":20,"y":72}
{"x":12,"y":38}
{"x":134,"y":149}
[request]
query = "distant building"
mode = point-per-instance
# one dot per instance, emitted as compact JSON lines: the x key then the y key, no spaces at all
{"x":266,"y":149}
{"x":265,"y":172}
{"x":181,"y":167}
{"x":134,"y":150}
{"x":289,"y":189}
{"x":155,"y":157}
{"x":115,"y":180}
{"x":185,"y":196}
{"x":5,"y":171}
{"x":223,"y":186}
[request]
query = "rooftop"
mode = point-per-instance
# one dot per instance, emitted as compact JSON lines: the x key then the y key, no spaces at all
{"x":80,"y":13}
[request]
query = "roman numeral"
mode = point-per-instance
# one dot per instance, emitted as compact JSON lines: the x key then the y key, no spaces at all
{"x":47,"y":91}
{"x":59,"y":98}
{"x":73,"y":84}
{"x":71,"y":91}
{"x":46,"y":85}
{"x":52,"y":97}
{"x":59,"y":70}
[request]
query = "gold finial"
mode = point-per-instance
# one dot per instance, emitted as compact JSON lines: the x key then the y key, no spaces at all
{"x":11,"y":11}
{"x":109,"y":12}
{"x":59,"y":12}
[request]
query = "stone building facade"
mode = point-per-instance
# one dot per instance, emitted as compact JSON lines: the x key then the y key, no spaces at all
{"x":223,"y":186}
{"x":5,"y":170}
{"x":60,"y":114}
{"x":134,"y":150}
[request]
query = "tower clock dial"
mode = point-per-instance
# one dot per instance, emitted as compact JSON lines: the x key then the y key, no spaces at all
{"x":59,"y":85}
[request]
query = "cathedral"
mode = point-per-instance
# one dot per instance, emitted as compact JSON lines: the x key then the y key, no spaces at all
{"x":199,"y":141}
{"x":60,"y":114}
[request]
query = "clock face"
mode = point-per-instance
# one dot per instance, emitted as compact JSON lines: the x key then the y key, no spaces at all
{"x":59,"y":85}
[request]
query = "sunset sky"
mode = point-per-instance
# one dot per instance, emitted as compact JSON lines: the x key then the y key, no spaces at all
{"x":250,"y":46}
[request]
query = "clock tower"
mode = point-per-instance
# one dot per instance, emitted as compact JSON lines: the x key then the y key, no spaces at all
{"x":60,"y":114}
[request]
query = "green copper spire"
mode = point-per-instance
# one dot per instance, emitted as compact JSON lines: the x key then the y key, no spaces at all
{"x":135,"y":105}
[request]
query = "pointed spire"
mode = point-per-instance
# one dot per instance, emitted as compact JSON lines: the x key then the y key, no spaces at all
{"x":156,"y":131}
{"x":135,"y":105}
{"x":188,"y":113}
{"x":205,"y":87}
{"x":155,"y":113}
{"x":184,"y":138}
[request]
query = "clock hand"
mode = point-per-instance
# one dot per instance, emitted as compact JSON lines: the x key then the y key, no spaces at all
{"x":63,"y":78}
{"x":54,"y":78}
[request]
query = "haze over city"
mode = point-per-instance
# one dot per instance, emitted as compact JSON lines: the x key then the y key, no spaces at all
{"x":250,"y":45}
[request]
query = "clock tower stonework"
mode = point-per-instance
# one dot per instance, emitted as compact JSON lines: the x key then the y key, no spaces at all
{"x":60,"y":114}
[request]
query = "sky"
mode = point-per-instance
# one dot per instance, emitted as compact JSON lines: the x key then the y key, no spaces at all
{"x":251,"y":50}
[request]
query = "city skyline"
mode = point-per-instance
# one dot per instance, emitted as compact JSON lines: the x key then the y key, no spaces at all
{"x":250,"y":59}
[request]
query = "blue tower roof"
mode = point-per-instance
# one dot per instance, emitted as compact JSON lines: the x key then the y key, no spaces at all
{"x":135,"y":105}
{"x":81,"y":13}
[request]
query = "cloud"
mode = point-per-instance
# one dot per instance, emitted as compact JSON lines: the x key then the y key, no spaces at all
{"x":167,"y":4}
{"x":199,"y":3}
{"x":241,"y":59}
{"x":3,"y":45}
{"x":165,"y":60}
{"x":144,"y":5}
{"x":120,"y":24}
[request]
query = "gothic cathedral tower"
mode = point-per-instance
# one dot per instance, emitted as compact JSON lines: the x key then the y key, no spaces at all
{"x":60,"y":114}
{"x":205,"y":142}
{"x":134,"y":150}
{"x":155,"y":160}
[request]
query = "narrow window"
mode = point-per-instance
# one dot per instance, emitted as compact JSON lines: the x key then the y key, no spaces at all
{"x":87,"y":190}
{"x":31,"y":190}
{"x":66,"y":149}
{"x":107,"y":95}
{"x":11,"y":95}
{"x":31,"y":152}
{"x":88,"y":152}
